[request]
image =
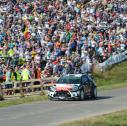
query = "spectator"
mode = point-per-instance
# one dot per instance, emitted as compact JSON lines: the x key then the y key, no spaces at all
{"x":25,"y":74}
{"x":8,"y":75}
{"x":43,"y":33}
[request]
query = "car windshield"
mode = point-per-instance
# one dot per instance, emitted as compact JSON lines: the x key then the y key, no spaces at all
{"x":69,"y":80}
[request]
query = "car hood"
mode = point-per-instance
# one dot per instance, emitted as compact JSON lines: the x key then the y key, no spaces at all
{"x":65,"y":87}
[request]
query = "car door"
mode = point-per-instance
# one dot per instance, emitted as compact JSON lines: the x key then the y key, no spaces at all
{"x":86,"y":85}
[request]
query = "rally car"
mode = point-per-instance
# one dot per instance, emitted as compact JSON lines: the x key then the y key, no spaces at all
{"x":73,"y":86}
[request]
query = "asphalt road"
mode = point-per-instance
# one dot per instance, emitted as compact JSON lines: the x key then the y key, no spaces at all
{"x":50,"y":113}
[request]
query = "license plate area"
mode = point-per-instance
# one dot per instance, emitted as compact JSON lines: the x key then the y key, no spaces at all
{"x":61,"y":97}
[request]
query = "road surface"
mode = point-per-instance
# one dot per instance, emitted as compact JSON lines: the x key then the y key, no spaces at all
{"x":51,"y":113}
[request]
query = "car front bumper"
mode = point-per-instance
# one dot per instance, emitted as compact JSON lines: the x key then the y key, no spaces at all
{"x":64,"y":96}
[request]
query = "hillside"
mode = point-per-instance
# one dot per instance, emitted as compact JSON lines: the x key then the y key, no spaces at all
{"x":115,"y":76}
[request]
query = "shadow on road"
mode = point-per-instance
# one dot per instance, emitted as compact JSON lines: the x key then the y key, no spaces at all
{"x":103,"y":97}
{"x":89,"y":99}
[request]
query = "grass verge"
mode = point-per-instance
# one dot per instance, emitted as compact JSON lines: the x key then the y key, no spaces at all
{"x":113,"y":119}
{"x":113,"y":86}
{"x":24,"y":100}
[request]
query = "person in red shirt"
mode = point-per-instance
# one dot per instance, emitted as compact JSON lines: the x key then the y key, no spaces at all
{"x":38,"y":73}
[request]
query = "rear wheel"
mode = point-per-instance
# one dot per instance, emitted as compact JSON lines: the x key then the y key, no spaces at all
{"x":82,"y":96}
{"x":94,"y":93}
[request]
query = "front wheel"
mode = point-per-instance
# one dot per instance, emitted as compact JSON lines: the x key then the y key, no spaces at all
{"x":50,"y":98}
{"x":82,"y":96}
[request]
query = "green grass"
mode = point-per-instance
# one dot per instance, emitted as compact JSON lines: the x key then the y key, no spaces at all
{"x":113,"y":119}
{"x":114,"y":77}
{"x":28,"y":99}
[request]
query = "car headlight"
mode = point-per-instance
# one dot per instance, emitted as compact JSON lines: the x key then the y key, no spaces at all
{"x":52,"y":88}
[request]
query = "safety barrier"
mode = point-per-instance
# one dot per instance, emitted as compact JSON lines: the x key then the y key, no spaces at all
{"x":114,"y":59}
{"x":25,"y":88}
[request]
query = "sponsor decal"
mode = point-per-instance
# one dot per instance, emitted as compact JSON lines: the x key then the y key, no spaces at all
{"x":64,"y":87}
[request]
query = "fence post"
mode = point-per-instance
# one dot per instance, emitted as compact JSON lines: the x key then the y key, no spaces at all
{"x":32,"y":87}
{"x":21,"y":90}
{"x":42,"y":88}
{"x":14,"y":86}
{"x":1,"y":93}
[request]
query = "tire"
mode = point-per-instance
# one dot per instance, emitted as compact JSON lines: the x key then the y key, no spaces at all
{"x":82,"y":95}
{"x":50,"y":98}
{"x":94,"y":93}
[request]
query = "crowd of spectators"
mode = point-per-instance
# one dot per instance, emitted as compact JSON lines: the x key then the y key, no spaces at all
{"x":54,"y":37}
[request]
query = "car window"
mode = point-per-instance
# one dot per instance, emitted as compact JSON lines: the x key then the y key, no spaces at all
{"x":68,"y":80}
